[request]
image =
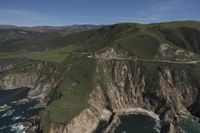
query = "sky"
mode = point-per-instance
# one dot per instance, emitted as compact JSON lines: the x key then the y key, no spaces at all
{"x":69,"y":12}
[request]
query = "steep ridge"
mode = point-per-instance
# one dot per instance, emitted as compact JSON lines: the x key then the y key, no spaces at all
{"x":129,"y":87}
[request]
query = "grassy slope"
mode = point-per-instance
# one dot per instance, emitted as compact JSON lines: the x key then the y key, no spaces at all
{"x":74,"y":91}
{"x":71,"y":96}
{"x":176,"y":24}
{"x":57,"y":55}
{"x":52,"y":48}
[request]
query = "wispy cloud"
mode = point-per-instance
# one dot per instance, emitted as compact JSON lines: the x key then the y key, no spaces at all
{"x":137,"y":18}
{"x":158,"y":11}
{"x":21,"y":13}
{"x":25,"y":17}
{"x":166,"y":5}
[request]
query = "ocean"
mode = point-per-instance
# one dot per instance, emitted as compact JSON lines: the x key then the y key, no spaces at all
{"x":137,"y":124}
{"x":16,"y":110}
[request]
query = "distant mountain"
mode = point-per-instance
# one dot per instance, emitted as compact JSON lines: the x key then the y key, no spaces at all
{"x":52,"y":28}
{"x":15,"y":37}
{"x":8,"y":27}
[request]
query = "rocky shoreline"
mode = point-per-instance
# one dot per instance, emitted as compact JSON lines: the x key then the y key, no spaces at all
{"x":13,"y":77}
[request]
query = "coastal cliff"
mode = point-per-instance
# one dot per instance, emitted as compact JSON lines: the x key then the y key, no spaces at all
{"x":137,"y":87}
{"x":39,"y":77}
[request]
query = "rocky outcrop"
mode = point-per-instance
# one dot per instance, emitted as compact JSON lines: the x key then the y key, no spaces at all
{"x":18,"y":80}
{"x":6,"y":67}
{"x":162,"y":88}
{"x":40,"y":77}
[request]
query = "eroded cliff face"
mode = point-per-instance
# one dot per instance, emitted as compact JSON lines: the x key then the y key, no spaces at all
{"x":123,"y":85}
{"x":40,"y":77}
{"x":86,"y":122}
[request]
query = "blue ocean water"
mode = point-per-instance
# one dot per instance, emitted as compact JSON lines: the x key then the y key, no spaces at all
{"x":136,"y":124}
{"x":191,"y":125}
{"x":16,"y":109}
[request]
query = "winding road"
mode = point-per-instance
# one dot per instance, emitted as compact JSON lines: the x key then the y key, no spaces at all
{"x":154,"y":60}
{"x":92,"y":56}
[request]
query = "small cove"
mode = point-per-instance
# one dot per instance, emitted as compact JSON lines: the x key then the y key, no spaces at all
{"x":136,"y":124}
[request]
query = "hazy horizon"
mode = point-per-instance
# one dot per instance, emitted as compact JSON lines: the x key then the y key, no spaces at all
{"x":96,"y":24}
